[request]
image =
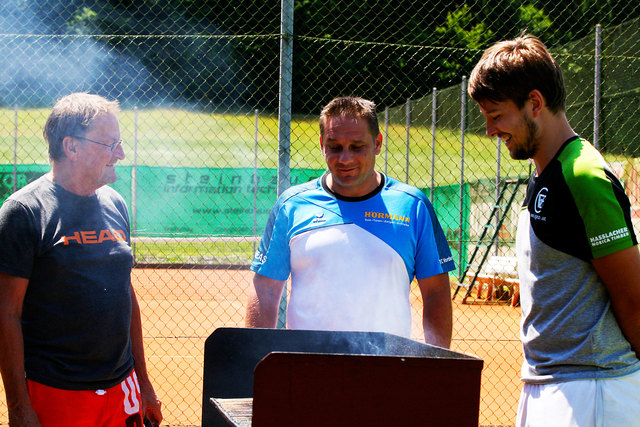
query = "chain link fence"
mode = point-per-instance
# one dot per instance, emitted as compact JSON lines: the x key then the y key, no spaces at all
{"x":220,"y":104}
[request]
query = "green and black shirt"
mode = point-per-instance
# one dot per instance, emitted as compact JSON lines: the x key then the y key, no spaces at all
{"x":575,"y":210}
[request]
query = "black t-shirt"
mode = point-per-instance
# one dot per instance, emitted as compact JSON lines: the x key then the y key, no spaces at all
{"x":76,"y":253}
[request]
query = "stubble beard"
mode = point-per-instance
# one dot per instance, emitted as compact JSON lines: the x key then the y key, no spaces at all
{"x":529,"y":147}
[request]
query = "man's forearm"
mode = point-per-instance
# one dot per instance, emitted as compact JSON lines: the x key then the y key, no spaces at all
{"x":13,"y":374}
{"x":259,"y":314}
{"x":620,"y":272}
{"x":437,"y":319}
{"x":263,"y":302}
{"x":437,"y":325}
{"x":151,"y":405}
{"x":137,"y":344}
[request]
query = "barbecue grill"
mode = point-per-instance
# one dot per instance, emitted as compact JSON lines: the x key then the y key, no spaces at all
{"x":282,"y":377}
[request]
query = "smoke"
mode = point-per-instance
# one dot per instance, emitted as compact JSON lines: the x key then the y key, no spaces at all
{"x":38,"y":67}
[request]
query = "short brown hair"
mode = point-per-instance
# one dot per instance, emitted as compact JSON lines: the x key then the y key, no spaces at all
{"x":510,"y":70}
{"x":351,"y":106}
{"x":73,"y":115}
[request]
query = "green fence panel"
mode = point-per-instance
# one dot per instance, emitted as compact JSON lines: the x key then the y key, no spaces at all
{"x":446,"y":203}
{"x":173,"y":201}
{"x":23,"y":174}
{"x":207,"y":201}
{"x":20,"y":175}
{"x":123,"y":185}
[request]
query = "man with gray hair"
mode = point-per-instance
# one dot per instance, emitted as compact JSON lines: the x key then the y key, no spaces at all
{"x":72,"y":351}
{"x":353,"y":241}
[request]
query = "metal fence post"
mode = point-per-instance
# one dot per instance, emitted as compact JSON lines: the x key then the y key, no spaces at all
{"x":284,"y":119}
{"x":434,"y":99}
{"x":596,"y":88}
{"x":408,"y":127}
{"x":134,"y":182}
{"x":498,"y":161}
{"x":386,"y":138}
{"x":284,"y":113}
{"x":15,"y":148}
{"x":463,"y":128}
{"x":255,"y":180}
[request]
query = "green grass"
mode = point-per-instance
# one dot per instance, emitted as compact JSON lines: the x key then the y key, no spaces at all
{"x":219,"y":252}
{"x":167,"y":137}
{"x":170,"y":137}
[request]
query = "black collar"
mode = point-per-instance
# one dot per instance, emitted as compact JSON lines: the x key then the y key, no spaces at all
{"x":353,"y":199}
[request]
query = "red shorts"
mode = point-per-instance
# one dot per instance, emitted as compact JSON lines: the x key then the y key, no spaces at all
{"x":118,"y":406}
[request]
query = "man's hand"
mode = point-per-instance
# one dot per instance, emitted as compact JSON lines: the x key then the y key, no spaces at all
{"x":151,"y":409}
{"x":23,"y":416}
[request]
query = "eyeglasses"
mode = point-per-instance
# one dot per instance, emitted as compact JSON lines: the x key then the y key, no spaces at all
{"x":112,"y":147}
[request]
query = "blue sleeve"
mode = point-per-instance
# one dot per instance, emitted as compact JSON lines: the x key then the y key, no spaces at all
{"x":272,"y":258}
{"x":433,"y":253}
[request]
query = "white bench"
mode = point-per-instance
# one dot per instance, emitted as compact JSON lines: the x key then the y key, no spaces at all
{"x":500,"y":275}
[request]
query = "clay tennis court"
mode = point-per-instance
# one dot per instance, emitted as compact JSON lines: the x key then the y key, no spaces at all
{"x":180,"y":309}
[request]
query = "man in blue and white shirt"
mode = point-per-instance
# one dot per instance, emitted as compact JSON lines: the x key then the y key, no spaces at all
{"x":352,"y":241}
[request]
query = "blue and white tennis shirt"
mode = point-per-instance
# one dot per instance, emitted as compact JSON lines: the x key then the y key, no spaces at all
{"x":352,"y":260}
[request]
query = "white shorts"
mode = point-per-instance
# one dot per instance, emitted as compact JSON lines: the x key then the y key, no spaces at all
{"x":612,"y":402}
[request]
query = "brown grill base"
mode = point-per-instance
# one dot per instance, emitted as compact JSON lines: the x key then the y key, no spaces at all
{"x":322,"y":378}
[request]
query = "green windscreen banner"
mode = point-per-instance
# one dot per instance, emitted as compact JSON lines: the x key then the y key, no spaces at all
{"x":194,"y":202}
{"x":453,"y":208}
{"x":14,"y":178}
{"x":207,"y":201}
{"x":185,"y":202}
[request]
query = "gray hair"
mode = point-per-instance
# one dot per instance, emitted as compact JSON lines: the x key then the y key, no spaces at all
{"x":73,"y":115}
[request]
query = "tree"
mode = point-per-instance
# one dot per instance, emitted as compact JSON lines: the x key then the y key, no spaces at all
{"x":465,"y":36}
